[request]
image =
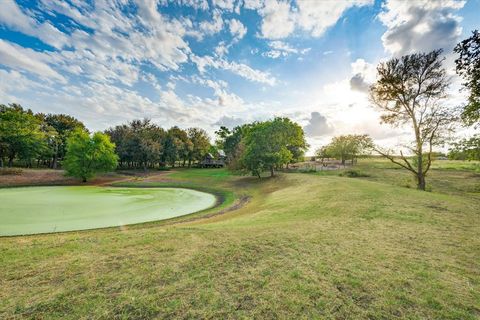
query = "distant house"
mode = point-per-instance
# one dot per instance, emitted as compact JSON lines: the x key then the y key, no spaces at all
{"x":209,"y":161}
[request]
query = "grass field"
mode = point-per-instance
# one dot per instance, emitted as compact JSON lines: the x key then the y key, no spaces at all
{"x":302,"y":245}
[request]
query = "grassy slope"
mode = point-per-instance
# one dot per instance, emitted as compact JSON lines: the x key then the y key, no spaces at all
{"x":306,"y":245}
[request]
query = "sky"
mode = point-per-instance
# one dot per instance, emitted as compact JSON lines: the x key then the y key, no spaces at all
{"x":207,"y":63}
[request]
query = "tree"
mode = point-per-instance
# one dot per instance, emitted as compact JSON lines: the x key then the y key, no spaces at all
{"x":468,"y":67}
{"x":466,"y":149}
{"x":268,"y":145}
{"x":346,"y":147}
{"x":232,"y":143}
{"x":200,"y":144}
{"x":409,"y":91}
{"x":88,"y":155}
{"x":20,"y":134}
{"x":138,"y":143}
{"x":146,"y":142}
{"x":58,"y":128}
{"x":176,"y":146}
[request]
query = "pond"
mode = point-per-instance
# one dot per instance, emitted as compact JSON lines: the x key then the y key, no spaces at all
{"x":32,"y":210}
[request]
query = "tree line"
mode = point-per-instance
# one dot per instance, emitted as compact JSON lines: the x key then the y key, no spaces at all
{"x":143,"y":144}
{"x":34,"y":138}
{"x":37,"y":139}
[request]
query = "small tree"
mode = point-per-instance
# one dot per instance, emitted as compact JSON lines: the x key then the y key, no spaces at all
{"x":409,"y":91}
{"x":466,"y":149}
{"x":268,"y":145}
{"x":200,"y":144}
{"x":88,"y":155}
{"x":346,"y":147}
{"x":468,"y":67}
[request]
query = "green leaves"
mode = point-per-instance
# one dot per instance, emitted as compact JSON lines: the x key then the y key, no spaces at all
{"x":468,"y":67}
{"x":88,"y":155}
{"x":272,"y":144}
{"x":346,"y":147}
{"x":20,"y":134}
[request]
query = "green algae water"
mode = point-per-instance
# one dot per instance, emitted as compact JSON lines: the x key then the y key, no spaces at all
{"x":33,"y":210}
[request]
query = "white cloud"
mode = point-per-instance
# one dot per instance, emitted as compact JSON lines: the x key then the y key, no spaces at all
{"x":420,"y":25}
{"x":364,"y":75}
{"x":13,"y":17}
{"x":196,"y":4}
{"x":229,"y":122}
{"x":237,"y":29}
{"x":253,"y":4}
{"x":17,"y":57}
{"x":248,"y":73}
{"x":317,"y":125}
{"x":316,"y":16}
{"x":221,"y":49}
{"x":120,"y":43}
{"x":227,"y":5}
{"x":240,"y":69}
{"x":282,"y":49}
{"x":214,"y":26}
{"x":278,"y":20}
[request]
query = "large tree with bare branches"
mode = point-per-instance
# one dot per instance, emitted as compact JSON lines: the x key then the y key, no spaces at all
{"x":410,"y":91}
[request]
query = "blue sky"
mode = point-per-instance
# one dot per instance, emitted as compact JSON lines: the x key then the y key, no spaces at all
{"x":218,"y":62}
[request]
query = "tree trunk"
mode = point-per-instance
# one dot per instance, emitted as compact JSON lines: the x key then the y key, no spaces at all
{"x":54,"y":162}
{"x":189,"y":163}
{"x":420,"y":176}
{"x":84,"y":179}
{"x":10,"y":162}
{"x":421,"y":184}
{"x":272,"y":173}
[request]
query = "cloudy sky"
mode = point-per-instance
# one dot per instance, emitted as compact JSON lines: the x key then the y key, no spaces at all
{"x":218,"y":62}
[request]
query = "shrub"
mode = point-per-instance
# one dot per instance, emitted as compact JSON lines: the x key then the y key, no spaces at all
{"x":10,"y":171}
{"x":353,"y":174}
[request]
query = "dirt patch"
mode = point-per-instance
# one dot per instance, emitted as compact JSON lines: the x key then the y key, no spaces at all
{"x":50,"y":177}
{"x":239,"y":203}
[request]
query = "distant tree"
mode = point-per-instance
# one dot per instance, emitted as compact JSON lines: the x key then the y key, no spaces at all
{"x":200,"y":144}
{"x":138,"y":143}
{"x":410,"y":91}
{"x":468,"y":67}
{"x":268,"y":145}
{"x":346,"y":147}
{"x":176,"y":146}
{"x":222,"y":133}
{"x":88,"y":155}
{"x":466,"y":149}
{"x":231,"y":142}
{"x":20,"y":134}
{"x":121,"y":136}
{"x":146,"y":141}
{"x":58,"y":127}
{"x":322,"y":153}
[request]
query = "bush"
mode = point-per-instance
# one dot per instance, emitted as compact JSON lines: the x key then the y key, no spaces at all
{"x":353,"y":174}
{"x":10,"y":171}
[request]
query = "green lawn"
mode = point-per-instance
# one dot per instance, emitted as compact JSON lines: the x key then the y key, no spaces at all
{"x":304,"y":246}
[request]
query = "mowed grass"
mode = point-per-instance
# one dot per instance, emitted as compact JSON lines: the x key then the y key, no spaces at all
{"x":304,"y":246}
